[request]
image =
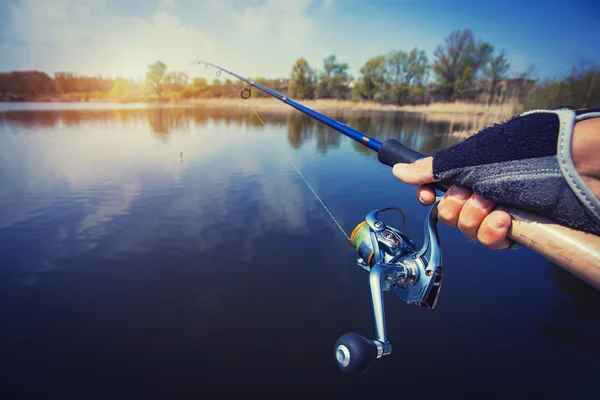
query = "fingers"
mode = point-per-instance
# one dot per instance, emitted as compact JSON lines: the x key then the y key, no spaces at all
{"x":425,"y":195}
{"x":493,"y":230}
{"x":417,"y":173}
{"x":460,"y":207}
{"x":472,"y":215}
{"x":451,"y":205}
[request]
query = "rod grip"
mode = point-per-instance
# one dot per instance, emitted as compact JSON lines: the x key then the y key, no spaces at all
{"x":393,"y":152}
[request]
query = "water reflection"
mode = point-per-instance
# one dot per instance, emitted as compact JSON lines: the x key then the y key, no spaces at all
{"x":409,"y":129}
{"x":576,"y":320}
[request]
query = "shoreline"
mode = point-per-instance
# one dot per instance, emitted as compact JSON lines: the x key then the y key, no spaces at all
{"x":469,"y":117}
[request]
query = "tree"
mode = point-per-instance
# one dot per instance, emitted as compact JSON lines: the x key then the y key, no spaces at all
{"x":63,"y":82}
{"x":176,"y":81}
{"x":495,"y":71}
{"x":404,"y":71}
{"x":396,"y":64}
{"x":458,"y":63}
{"x":416,"y":66}
{"x":334,"y":80}
{"x":123,"y":89}
{"x":302,"y":81}
{"x":255,"y":93}
{"x":155,"y":78}
{"x":373,"y":82}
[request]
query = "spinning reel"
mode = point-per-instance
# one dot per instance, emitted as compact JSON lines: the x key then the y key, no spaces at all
{"x":394,"y":264}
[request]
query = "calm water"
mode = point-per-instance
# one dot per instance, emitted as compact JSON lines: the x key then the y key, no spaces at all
{"x":125,"y":272}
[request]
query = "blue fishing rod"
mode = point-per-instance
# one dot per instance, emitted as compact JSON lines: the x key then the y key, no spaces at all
{"x":391,"y":258}
{"x":390,"y":152}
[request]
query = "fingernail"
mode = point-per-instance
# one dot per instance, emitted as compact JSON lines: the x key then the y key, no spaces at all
{"x":399,"y":166}
{"x":498,"y":223}
{"x":481,"y":202}
{"x":459,"y":192}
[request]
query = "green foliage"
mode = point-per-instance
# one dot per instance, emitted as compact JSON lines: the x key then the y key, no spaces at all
{"x":581,"y":89}
{"x":334,"y":80}
{"x":197,"y":89}
{"x":302,"y":81}
{"x":259,"y":93}
{"x":124,"y":90}
{"x":406,"y":73}
{"x":458,"y":63}
{"x":175,"y":81}
{"x":155,"y":78}
{"x":495,"y":71}
{"x":372,"y":83}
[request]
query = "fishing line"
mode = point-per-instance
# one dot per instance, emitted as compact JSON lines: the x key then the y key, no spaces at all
{"x":305,"y":181}
{"x":246,"y":94}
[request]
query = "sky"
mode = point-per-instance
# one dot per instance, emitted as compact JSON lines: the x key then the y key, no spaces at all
{"x":265,"y":37}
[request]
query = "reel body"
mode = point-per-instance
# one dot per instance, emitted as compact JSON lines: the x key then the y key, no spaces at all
{"x":394,"y":264}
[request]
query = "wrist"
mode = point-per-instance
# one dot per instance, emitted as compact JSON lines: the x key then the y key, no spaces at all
{"x":585,"y":151}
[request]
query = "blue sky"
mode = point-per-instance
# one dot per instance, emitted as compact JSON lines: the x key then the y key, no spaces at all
{"x":265,"y":37}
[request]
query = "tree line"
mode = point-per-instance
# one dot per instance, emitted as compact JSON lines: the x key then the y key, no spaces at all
{"x":463,"y":68}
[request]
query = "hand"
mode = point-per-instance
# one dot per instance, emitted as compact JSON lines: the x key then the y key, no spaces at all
{"x":460,"y":207}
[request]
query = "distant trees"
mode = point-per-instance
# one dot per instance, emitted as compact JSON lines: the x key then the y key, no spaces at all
{"x":458,"y":62}
{"x":155,"y":78}
{"x":123,"y":89}
{"x":36,"y":83}
{"x":372,"y":83}
{"x":463,"y":68}
{"x":334,"y":80}
{"x":407,"y":72}
{"x":580,"y":89}
{"x":69,"y":82}
{"x":302,"y":81}
{"x":397,"y":78}
{"x":495,"y":72}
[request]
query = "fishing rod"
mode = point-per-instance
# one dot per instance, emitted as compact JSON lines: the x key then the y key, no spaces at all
{"x":395,"y":263}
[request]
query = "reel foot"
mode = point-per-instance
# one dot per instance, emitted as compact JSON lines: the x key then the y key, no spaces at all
{"x":354,"y":353}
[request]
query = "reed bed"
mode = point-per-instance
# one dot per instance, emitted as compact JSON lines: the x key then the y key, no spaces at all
{"x":465,"y":118}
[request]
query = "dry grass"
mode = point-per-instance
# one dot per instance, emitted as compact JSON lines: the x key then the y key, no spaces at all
{"x":465,"y":118}
{"x":321,"y":104}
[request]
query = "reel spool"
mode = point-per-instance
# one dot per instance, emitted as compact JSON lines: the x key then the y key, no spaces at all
{"x":394,"y":264}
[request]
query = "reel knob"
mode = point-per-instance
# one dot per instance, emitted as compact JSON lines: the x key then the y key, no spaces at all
{"x":354,"y":353}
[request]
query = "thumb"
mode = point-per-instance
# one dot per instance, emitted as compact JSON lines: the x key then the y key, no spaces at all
{"x":417,"y":173}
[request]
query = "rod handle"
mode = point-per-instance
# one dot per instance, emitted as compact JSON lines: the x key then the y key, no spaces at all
{"x":393,"y":152}
{"x":575,"y":251}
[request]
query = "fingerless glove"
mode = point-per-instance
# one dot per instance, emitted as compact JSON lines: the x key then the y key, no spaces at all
{"x":526,"y":163}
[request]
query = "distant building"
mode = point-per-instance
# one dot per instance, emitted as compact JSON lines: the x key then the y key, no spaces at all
{"x":513,"y":88}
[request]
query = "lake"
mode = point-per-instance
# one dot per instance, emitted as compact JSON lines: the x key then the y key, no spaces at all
{"x":127,"y":272}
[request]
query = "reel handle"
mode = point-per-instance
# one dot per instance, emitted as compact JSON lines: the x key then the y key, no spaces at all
{"x":354,"y":353}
